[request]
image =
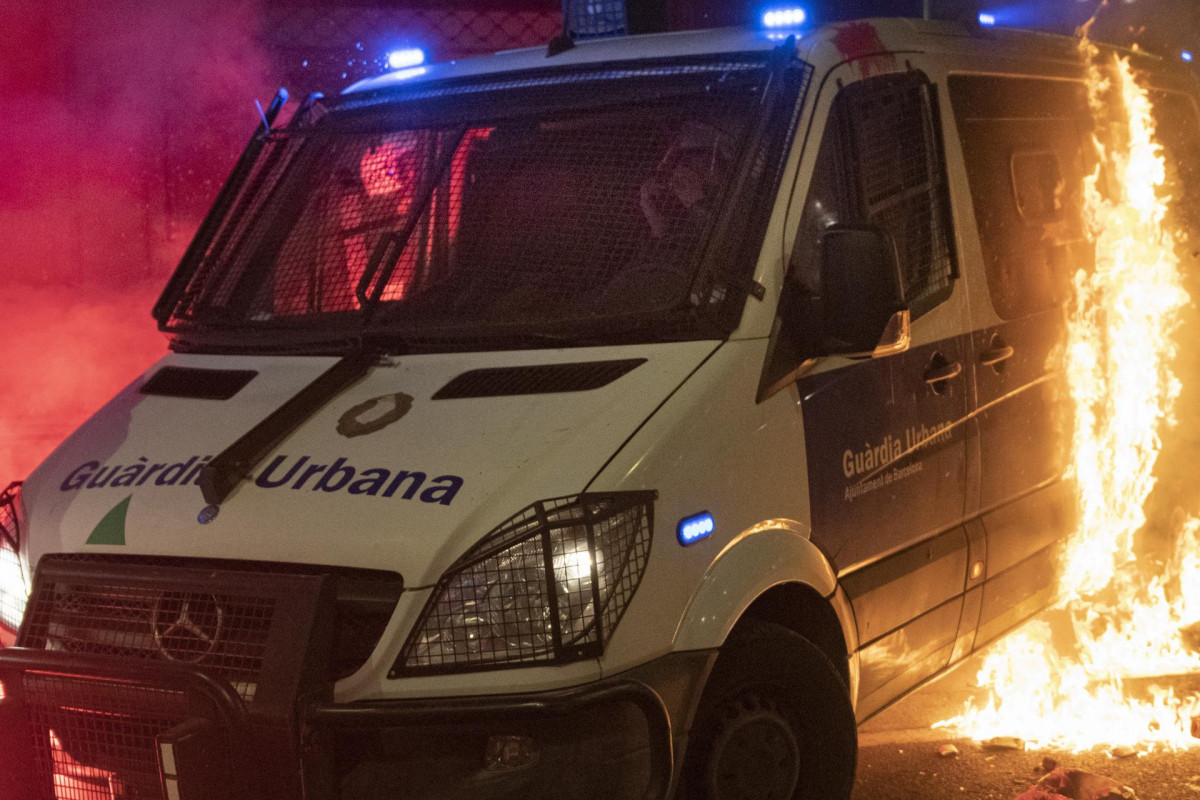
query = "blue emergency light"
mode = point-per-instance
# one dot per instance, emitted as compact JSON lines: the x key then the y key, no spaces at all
{"x":784,"y":18}
{"x":696,"y":527}
{"x":1187,"y":56}
{"x":986,"y":19}
{"x":406,"y":58}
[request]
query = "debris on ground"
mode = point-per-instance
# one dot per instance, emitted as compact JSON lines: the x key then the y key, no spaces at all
{"x":1048,"y":765}
{"x":1123,"y":751}
{"x":1004,"y":743}
{"x":1075,"y":784}
{"x":947,"y":750}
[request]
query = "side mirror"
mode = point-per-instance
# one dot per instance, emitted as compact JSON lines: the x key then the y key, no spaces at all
{"x":863,"y":311}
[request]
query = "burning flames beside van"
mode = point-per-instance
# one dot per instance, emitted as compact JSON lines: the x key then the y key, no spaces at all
{"x":1126,"y":615}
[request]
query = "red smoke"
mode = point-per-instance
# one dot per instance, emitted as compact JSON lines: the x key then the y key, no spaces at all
{"x":121,"y":120}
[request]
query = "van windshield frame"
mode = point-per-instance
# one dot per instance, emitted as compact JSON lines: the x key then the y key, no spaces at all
{"x":681,"y":189}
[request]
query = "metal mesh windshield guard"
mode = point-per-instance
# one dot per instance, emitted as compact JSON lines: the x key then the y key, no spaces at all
{"x":547,"y":586}
{"x":546,"y":204}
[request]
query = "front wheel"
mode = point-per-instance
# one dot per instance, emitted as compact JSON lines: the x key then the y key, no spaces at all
{"x":774,"y":723}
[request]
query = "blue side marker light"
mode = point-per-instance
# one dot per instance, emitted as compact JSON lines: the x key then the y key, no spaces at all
{"x":408,"y":57}
{"x":1187,"y":56}
{"x":696,"y":527}
{"x":785,"y":18}
{"x":987,"y":20}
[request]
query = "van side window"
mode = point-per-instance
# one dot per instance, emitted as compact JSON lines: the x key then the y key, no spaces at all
{"x":881,"y":163}
{"x":1024,"y":142}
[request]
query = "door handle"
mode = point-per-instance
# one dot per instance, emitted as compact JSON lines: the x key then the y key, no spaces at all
{"x":942,"y":373}
{"x":995,"y":354}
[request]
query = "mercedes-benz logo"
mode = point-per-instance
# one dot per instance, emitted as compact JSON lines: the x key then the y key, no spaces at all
{"x":187,"y":627}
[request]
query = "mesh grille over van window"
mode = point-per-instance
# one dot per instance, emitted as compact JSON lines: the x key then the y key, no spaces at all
{"x":901,"y":181}
{"x":881,"y":163}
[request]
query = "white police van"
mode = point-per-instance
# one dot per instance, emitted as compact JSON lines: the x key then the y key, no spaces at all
{"x":622,"y":422}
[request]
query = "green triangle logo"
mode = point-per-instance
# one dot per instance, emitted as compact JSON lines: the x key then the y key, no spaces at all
{"x":111,"y":529}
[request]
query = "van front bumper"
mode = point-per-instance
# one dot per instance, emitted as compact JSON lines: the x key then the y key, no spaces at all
{"x":608,"y":740}
{"x":613,"y":739}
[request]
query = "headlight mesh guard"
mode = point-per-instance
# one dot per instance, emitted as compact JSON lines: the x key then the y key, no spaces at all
{"x":547,"y":586}
{"x":14,"y":591}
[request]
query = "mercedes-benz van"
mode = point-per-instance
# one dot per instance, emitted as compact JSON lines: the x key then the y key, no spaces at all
{"x":626,"y":421}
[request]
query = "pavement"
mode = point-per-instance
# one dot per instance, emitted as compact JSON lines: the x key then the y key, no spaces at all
{"x":898,"y":758}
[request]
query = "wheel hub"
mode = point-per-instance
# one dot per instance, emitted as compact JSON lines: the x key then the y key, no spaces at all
{"x":755,"y":754}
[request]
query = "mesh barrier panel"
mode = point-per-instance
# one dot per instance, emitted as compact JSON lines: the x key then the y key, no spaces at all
{"x":96,"y":738}
{"x":323,"y":46}
{"x":364,"y":600}
{"x":550,"y":585}
{"x":902,"y":183}
{"x":222,"y":632}
{"x":552,"y":216}
{"x":13,"y":591}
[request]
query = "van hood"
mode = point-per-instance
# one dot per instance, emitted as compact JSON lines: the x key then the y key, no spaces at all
{"x":391,"y":474}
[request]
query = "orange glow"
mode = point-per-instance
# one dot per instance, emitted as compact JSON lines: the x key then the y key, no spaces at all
{"x":73,"y":781}
{"x":1119,"y":359}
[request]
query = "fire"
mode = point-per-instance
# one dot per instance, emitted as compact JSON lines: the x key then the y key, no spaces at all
{"x":1124,"y":622}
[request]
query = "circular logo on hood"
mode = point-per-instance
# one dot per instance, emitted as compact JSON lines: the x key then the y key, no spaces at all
{"x":374,"y":414}
{"x":187,"y":627}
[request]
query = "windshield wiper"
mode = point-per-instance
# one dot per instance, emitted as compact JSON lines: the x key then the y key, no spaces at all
{"x":222,"y":475}
{"x":387,"y":252}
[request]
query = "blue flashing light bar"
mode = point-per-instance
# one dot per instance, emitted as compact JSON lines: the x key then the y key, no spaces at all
{"x":785,"y":18}
{"x":406,"y":58}
{"x":987,"y":20}
{"x":1187,"y":56}
{"x":696,"y":527}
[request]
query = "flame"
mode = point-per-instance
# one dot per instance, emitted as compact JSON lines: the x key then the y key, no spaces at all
{"x":1124,"y":622}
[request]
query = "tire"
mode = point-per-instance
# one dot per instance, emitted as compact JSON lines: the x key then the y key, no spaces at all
{"x":774,"y":723}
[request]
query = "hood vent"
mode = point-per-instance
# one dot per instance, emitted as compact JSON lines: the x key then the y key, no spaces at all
{"x":198,"y":384}
{"x":540,"y":379}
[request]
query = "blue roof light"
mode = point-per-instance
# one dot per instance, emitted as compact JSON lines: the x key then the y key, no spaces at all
{"x":1187,"y":56}
{"x":696,"y":527}
{"x":405,"y":58}
{"x":986,"y":19}
{"x":785,"y":18}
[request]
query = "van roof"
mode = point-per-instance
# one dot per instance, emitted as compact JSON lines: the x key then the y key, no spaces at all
{"x":823,"y":46}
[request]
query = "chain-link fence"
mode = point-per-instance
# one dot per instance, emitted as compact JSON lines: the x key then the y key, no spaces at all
{"x":327,"y":47}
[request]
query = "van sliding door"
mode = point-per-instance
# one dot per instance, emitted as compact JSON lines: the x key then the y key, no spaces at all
{"x":1023,"y":143}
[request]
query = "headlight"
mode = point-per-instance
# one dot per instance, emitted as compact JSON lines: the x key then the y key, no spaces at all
{"x":14,"y":592}
{"x":547,"y":586}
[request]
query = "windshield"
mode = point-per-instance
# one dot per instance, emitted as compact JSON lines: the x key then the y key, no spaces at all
{"x":551,"y":207}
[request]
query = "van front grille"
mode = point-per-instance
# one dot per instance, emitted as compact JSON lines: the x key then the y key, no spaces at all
{"x":222,"y":632}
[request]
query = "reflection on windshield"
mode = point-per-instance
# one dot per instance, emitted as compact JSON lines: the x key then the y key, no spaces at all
{"x":549,"y":217}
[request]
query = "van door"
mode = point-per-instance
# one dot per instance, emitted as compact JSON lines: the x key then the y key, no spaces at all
{"x":1023,"y":143}
{"x":884,"y":439}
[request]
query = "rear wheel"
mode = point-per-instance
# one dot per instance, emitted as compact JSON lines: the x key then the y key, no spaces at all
{"x":775,"y":723}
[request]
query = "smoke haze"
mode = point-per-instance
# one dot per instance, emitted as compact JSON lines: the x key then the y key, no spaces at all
{"x":121,"y":120}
